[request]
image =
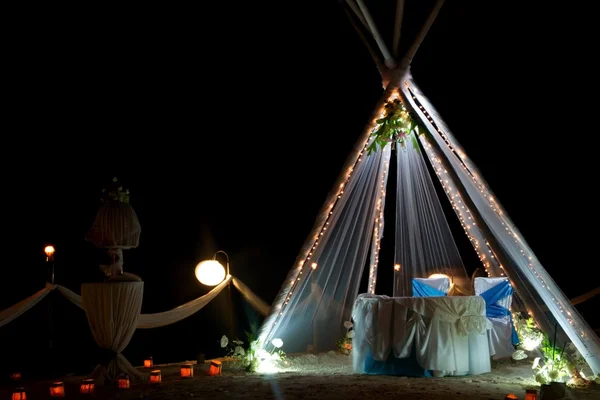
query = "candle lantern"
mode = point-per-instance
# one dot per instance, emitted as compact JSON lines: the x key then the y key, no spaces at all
{"x":187,"y":371}
{"x":511,"y":396}
{"x":531,"y":394}
{"x":57,"y":389}
{"x":123,"y":382}
{"x":215,"y":368}
{"x":15,"y":376}
{"x":87,"y":386}
{"x":19,"y":394}
{"x":148,"y":363}
{"x":155,"y":376}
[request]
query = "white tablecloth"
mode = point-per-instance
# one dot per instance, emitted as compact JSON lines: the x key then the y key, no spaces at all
{"x":447,"y":333}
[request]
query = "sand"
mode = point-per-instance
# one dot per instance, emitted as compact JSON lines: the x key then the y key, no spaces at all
{"x":327,"y":376}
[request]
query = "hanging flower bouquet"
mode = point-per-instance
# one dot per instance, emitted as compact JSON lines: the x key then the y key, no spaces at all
{"x":396,"y":125}
{"x":344,"y":344}
{"x":115,"y":192}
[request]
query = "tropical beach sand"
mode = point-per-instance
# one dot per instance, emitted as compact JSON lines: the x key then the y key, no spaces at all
{"x":324,"y":376}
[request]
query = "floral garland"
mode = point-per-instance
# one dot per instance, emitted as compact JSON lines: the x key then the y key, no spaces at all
{"x":344,"y":344}
{"x":395,"y":126}
{"x":115,"y":192}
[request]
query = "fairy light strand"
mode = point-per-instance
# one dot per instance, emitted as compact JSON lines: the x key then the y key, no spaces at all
{"x":509,"y":227}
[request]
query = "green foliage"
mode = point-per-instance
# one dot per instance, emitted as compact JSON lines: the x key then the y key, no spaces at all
{"x":395,"y":126}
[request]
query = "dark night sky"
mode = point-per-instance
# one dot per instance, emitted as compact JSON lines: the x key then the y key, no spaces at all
{"x":230,"y":124}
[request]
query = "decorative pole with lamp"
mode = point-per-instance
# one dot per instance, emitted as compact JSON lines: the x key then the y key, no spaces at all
{"x":49,"y":251}
{"x":211,"y":273}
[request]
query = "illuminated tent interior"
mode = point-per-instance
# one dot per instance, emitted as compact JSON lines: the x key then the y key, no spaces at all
{"x":320,"y":289}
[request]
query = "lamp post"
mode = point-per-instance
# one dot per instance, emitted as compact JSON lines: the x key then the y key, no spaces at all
{"x":49,"y":251}
{"x":211,"y":273}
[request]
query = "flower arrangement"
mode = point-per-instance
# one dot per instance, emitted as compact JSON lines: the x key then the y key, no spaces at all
{"x":344,"y":344}
{"x":115,"y":192}
{"x":554,"y":366}
{"x":255,"y":358}
{"x":395,"y":125}
{"x":233,"y":349}
{"x":530,"y":337}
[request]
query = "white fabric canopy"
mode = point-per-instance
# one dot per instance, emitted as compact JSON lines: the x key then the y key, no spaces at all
{"x":113,"y":310}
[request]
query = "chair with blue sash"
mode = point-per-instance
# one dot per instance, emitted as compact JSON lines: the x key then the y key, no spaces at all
{"x":497,"y":294}
{"x":430,"y":287}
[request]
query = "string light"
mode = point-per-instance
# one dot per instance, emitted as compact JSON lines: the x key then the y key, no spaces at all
{"x":536,"y":269}
{"x":310,"y":253}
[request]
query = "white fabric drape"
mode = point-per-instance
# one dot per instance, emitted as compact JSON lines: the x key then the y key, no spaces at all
{"x":113,"y":309}
{"x":156,"y":320}
{"x":323,"y":296}
{"x":16,"y":310}
{"x":448,"y":333}
{"x":532,"y":283}
{"x":255,"y":302}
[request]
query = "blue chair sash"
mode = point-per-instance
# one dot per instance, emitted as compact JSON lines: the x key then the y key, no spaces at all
{"x":494,"y":310}
{"x":421,"y":289}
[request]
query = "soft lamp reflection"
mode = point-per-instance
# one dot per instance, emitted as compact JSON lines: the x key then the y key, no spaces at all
{"x":210,"y":272}
{"x":437,"y":276}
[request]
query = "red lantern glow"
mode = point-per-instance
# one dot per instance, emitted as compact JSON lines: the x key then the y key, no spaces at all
{"x":215,"y":368}
{"x":187,"y":371}
{"x":155,"y":376}
{"x":148,"y":363}
{"x":19,"y":394}
{"x":57,"y":389}
{"x":87,"y":386}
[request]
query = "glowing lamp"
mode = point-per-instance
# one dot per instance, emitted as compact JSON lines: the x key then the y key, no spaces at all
{"x":155,"y":376}
{"x":148,"y":363}
{"x":313,"y":265}
{"x":531,"y":394}
{"x":19,"y":394}
{"x":511,"y":396}
{"x":215,"y":368}
{"x":437,"y":276}
{"x":187,"y":371}
{"x":123,"y":382}
{"x":49,"y":250}
{"x":210,"y":272}
{"x":397,"y":267}
{"x":57,"y":389}
{"x":15,"y":376}
{"x":87,"y":386}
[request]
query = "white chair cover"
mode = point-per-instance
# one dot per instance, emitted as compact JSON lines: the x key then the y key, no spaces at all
{"x":499,"y":328}
{"x":441,"y":284}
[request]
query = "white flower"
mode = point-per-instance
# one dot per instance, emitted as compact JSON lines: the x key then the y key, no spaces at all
{"x":239,"y":350}
{"x":536,"y":362}
{"x":277,"y":342}
{"x":224,"y":341}
{"x":237,"y":341}
{"x":519,"y":355}
{"x":348,"y":324}
{"x":350,"y":334}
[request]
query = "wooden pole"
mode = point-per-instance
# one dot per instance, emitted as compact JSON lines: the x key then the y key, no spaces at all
{"x":354,"y":7}
{"x":374,"y":55}
{"x":410,"y":54}
{"x":398,"y":27}
{"x":387,"y":56}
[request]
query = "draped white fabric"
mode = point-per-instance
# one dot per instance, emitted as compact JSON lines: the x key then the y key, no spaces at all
{"x":9,"y":314}
{"x":255,"y":302}
{"x":112,"y":310}
{"x":499,"y":236}
{"x":323,"y":297}
{"x":156,"y":320}
{"x":424,"y":243}
{"x":499,"y":328}
{"x":447,"y":333}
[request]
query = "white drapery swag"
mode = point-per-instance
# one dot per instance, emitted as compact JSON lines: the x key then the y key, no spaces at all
{"x":145,"y":321}
{"x":448,"y":333}
{"x":15,"y":311}
{"x":113,"y":310}
{"x":156,"y":320}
